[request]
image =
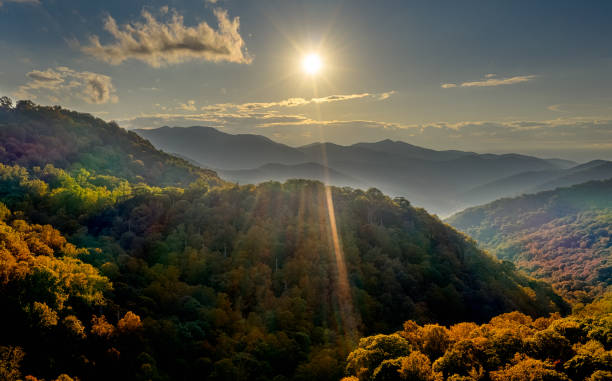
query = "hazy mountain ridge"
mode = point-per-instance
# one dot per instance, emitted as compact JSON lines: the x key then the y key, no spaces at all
{"x":216,"y":149}
{"x":537,"y":181}
{"x":440,"y":181}
{"x":283,"y":172}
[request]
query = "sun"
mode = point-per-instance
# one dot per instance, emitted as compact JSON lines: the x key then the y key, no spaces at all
{"x":312,"y":63}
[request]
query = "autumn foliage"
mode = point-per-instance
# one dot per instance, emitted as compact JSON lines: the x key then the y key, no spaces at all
{"x":510,"y":346}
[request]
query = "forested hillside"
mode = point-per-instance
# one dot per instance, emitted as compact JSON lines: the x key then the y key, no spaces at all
{"x":33,"y":135}
{"x":213,"y":280}
{"x":563,"y":236}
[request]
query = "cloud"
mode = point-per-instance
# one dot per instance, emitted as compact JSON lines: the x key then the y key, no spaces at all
{"x":98,"y":88}
{"x":245,"y":115}
{"x":295,"y":102}
{"x":189,"y":106}
{"x":44,"y":79}
{"x":160,"y":43}
{"x":63,"y":83}
{"x":490,"y":80}
{"x":499,"y":81}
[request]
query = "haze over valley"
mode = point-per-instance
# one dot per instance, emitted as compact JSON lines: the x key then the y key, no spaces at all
{"x":442,"y":182}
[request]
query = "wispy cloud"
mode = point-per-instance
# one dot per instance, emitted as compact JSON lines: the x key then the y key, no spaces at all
{"x":189,"y":106}
{"x":63,"y":83}
{"x":261,"y":115}
{"x":491,"y":80}
{"x":160,"y":43}
{"x":294,"y":102}
{"x":556,"y":108}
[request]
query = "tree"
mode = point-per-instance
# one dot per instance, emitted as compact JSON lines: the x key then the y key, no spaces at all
{"x":24,"y":105}
{"x":10,"y":358}
{"x":416,"y":367}
{"x":528,"y":369}
{"x":372,"y":351}
{"x":6,"y":103}
{"x":129,"y":322}
{"x":435,"y":340}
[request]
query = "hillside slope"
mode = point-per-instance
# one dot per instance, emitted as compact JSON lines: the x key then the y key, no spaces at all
{"x":32,"y":135}
{"x":563,"y":236}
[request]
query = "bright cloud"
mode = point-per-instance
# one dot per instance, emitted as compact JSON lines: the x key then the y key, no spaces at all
{"x":295,"y":102}
{"x":490,"y":80}
{"x":160,"y":43}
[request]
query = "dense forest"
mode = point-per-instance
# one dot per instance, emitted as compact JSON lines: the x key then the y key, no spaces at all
{"x":137,"y":274}
{"x":33,"y":135}
{"x":563,"y":236}
{"x":510,"y":346}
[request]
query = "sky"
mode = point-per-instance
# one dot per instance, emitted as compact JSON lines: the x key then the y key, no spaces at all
{"x":532,"y":77}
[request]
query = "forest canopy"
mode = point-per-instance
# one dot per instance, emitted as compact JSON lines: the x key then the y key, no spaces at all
{"x":511,"y":346}
{"x":171,"y":273}
{"x":563,"y":236}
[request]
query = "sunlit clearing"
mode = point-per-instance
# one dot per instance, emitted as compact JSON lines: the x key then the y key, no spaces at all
{"x":312,"y":64}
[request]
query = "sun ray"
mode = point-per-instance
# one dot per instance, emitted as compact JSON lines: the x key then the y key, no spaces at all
{"x":343,"y":291}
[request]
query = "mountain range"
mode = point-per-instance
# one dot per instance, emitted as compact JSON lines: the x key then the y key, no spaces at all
{"x":442,"y":182}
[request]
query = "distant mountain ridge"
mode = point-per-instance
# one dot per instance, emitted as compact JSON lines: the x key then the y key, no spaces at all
{"x":283,"y":172}
{"x":536,"y":181}
{"x":216,"y":149}
{"x":443,"y":182}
